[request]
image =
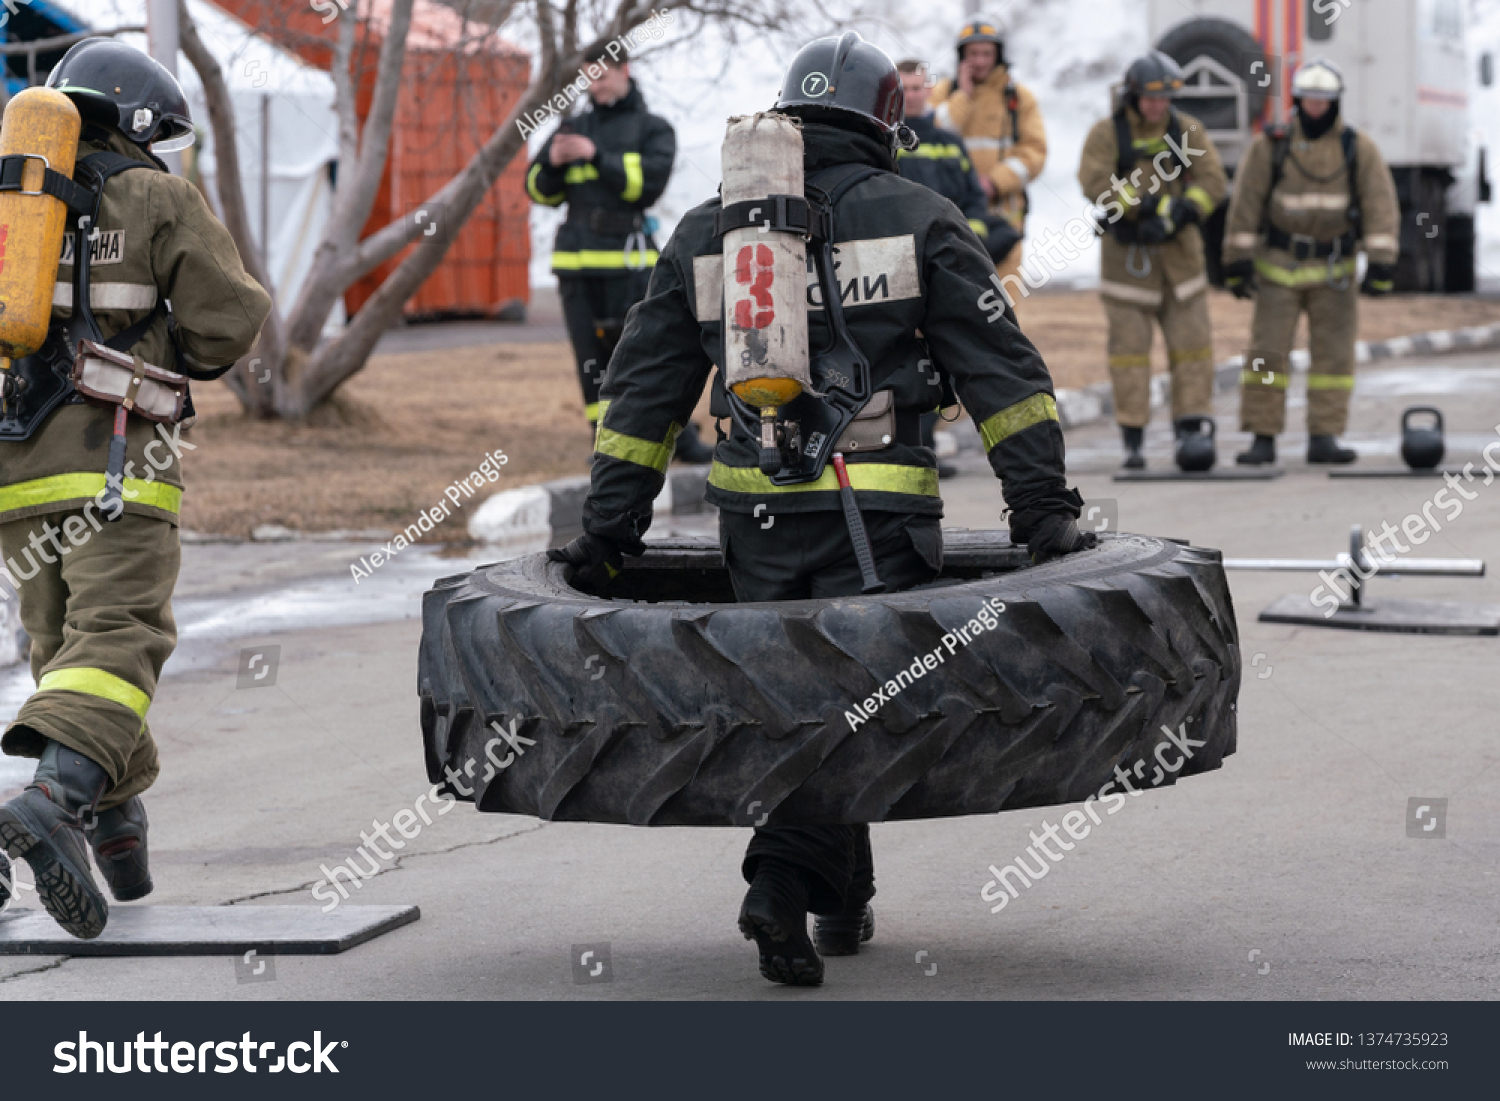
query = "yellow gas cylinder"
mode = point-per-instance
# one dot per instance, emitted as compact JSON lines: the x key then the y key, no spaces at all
{"x":43,"y":124}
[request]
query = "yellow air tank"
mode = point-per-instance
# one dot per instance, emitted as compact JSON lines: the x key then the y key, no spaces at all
{"x":43,"y":124}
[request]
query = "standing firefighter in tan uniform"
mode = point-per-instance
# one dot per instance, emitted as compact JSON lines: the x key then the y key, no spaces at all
{"x":88,"y":517}
{"x":1002,"y":127}
{"x":1305,"y":197}
{"x":1156,"y":174}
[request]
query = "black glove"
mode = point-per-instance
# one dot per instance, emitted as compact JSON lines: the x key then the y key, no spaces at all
{"x":1152,"y":230}
{"x":596,"y":562}
{"x":1055,"y":535}
{"x":1379,"y":279}
{"x":1239,"y":278}
{"x":1176,"y":213}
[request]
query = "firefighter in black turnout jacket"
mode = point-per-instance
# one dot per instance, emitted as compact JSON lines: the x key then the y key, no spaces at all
{"x":915,"y":264}
{"x":609,"y":164}
{"x":941,"y":162}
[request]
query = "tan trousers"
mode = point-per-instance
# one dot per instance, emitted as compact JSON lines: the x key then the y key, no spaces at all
{"x":1333,"y":322}
{"x":1190,"y":355}
{"x":99,"y":614}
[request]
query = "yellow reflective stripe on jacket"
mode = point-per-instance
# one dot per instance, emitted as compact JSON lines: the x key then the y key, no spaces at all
{"x":74,"y":487}
{"x":96,"y":682}
{"x":601,"y":258}
{"x":635,"y":179}
{"x":536,"y":192}
{"x":1150,"y":145}
{"x":1018,"y":418}
{"x":874,"y":477}
{"x":580,"y":173}
{"x":1304,"y":276}
{"x":979,"y":228}
{"x":1200,"y":199}
{"x":633,"y":449}
{"x":931,"y":152}
{"x":593,"y":412}
{"x":1330,"y":382}
{"x":1276,"y":380}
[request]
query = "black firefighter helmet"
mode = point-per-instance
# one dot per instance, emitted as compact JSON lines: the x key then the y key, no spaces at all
{"x":1152,"y":74}
{"x":846,"y":81}
{"x":119,"y":86}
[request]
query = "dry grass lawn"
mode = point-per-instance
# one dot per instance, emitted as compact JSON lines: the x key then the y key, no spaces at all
{"x":409,"y":425}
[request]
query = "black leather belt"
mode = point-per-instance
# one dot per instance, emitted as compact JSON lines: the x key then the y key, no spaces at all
{"x":1304,"y":247}
{"x":600,"y":220}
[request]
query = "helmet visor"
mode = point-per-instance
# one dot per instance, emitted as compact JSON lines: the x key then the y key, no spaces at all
{"x":173,"y":143}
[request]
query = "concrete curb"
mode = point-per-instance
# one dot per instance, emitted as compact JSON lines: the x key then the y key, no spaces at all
{"x":553,"y":511}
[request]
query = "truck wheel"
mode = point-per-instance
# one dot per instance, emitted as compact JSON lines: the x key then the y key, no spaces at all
{"x":668,"y":704}
{"x":1421,"y":265}
{"x":1458,"y":256}
{"x":1233,"y":47}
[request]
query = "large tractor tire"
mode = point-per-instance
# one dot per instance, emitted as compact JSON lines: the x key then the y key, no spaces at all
{"x":668,"y":704}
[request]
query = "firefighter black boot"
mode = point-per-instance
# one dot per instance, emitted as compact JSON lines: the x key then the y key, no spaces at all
{"x":44,"y":827}
{"x":1326,"y":449}
{"x":774,"y":915}
{"x":841,"y":933}
{"x":118,"y":838}
{"x":690,"y":449}
{"x":1262,"y":452}
{"x":1134,"y":438}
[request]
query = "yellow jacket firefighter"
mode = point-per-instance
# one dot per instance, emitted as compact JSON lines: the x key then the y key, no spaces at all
{"x":1002,"y":126}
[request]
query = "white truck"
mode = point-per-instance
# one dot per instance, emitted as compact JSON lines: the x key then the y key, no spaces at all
{"x":1406,"y":69}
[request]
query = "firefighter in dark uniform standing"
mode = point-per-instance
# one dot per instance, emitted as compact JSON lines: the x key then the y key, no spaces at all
{"x":609,"y":164}
{"x":97,"y":604}
{"x":940,"y":162}
{"x":934,"y":272}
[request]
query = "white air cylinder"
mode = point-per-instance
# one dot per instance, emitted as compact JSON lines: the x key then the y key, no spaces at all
{"x":765,"y":271}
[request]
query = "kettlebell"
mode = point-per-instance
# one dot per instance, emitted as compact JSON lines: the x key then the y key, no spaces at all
{"x":1195,"y":444}
{"x":1422,"y":448}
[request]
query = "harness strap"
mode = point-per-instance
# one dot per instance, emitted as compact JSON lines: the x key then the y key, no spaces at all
{"x":80,"y":200}
{"x":784,"y":213}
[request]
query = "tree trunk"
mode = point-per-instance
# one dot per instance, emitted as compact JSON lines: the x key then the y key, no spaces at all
{"x":270,"y":347}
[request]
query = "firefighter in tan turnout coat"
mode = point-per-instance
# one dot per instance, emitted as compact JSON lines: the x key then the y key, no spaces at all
{"x":90,"y":488}
{"x":1001,"y":124}
{"x":1306,"y":199}
{"x":1154,"y":191}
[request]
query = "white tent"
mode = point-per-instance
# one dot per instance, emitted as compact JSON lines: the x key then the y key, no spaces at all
{"x":282,"y":107}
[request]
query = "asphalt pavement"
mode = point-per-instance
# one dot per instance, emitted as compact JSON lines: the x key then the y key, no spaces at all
{"x":1297,"y":871}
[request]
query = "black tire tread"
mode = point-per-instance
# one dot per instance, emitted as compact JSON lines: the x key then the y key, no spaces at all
{"x":688,"y":714}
